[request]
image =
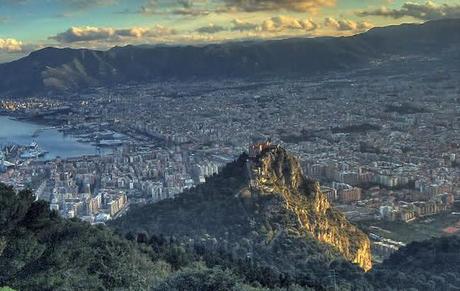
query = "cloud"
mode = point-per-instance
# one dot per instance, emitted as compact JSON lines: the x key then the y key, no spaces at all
{"x":11,"y":45}
{"x":189,"y":11}
{"x":426,"y":11}
{"x":211,"y":28}
{"x":85,"y":4}
{"x":182,"y":7}
{"x":281,"y":23}
{"x":76,"y":34}
{"x":206,"y":7}
{"x":240,"y":25}
{"x":88,"y":33}
{"x":271,"y":25}
{"x":347,"y":25}
{"x":272,"y":5}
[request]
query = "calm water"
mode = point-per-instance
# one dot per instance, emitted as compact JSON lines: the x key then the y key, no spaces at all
{"x":51,"y":140}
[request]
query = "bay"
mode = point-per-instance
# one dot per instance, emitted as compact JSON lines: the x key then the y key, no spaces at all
{"x":20,"y":132}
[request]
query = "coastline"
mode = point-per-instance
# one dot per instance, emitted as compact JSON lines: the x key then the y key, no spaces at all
{"x":82,"y":136}
{"x":57,"y":142}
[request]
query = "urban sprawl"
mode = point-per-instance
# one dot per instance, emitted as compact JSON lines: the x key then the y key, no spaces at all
{"x":384,"y":148}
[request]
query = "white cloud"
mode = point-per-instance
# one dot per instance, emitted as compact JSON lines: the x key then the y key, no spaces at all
{"x":281,"y":23}
{"x":347,"y":25}
{"x":11,"y":45}
{"x":88,"y":34}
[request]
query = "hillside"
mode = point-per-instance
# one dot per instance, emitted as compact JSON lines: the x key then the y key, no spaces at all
{"x":41,"y":251}
{"x":427,"y":265}
{"x":52,"y":70}
{"x":259,"y":243}
{"x":260,"y":208}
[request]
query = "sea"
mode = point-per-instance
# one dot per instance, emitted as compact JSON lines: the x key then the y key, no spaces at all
{"x":54,"y":142}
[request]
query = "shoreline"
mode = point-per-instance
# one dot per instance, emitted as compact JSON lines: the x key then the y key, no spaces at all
{"x":83,"y":137}
{"x":74,"y":147}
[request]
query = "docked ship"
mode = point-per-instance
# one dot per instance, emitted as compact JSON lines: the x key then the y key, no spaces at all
{"x":33,"y":151}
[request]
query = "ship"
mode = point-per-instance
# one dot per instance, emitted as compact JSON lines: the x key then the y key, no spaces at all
{"x":33,"y":151}
{"x":110,"y":143}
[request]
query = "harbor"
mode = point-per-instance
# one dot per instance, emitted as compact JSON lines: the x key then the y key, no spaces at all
{"x":23,"y":140}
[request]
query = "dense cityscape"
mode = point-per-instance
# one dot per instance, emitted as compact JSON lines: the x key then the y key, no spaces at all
{"x":230,"y":145}
{"x":377,"y":157}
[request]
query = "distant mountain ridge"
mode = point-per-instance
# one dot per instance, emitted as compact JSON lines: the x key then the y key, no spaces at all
{"x":52,"y":70}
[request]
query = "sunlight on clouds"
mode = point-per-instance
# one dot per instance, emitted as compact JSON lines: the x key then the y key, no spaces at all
{"x":11,"y":45}
{"x":347,"y":25}
{"x":88,"y":33}
{"x":281,"y":23}
{"x":119,"y":22}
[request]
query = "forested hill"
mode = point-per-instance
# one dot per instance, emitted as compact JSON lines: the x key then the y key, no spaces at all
{"x":262,"y":207}
{"x":52,"y":70}
{"x":428,"y":265}
{"x":41,"y":251}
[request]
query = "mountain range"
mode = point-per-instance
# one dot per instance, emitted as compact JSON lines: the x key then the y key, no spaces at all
{"x":55,"y":70}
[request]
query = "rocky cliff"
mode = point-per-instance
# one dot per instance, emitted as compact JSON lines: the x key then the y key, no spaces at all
{"x":259,"y":207}
{"x":276,"y":173}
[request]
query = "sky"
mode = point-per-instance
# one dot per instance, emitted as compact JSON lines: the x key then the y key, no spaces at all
{"x":27,"y":25}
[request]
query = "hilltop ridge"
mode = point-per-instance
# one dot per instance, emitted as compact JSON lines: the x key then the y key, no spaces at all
{"x":261,"y":199}
{"x":276,"y":172}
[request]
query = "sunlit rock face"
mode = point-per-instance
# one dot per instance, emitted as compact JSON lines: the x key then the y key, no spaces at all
{"x":274,"y":173}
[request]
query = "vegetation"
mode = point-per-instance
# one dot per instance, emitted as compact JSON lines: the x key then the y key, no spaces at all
{"x":419,"y":230}
{"x":427,"y":265}
{"x":41,"y":251}
{"x":258,"y":239}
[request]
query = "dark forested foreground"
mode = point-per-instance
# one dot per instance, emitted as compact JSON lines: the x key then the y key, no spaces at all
{"x":41,"y":251}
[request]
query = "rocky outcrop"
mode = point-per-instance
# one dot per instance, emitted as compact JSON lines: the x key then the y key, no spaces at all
{"x":276,"y":173}
{"x":259,"y":207}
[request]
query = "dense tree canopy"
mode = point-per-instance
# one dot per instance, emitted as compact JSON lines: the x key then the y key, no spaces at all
{"x":41,"y":251}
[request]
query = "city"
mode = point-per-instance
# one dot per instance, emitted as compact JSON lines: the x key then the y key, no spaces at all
{"x":377,"y":157}
{"x":230,"y":145}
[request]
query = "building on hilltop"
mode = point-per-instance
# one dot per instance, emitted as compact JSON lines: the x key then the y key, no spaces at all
{"x":258,"y":148}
